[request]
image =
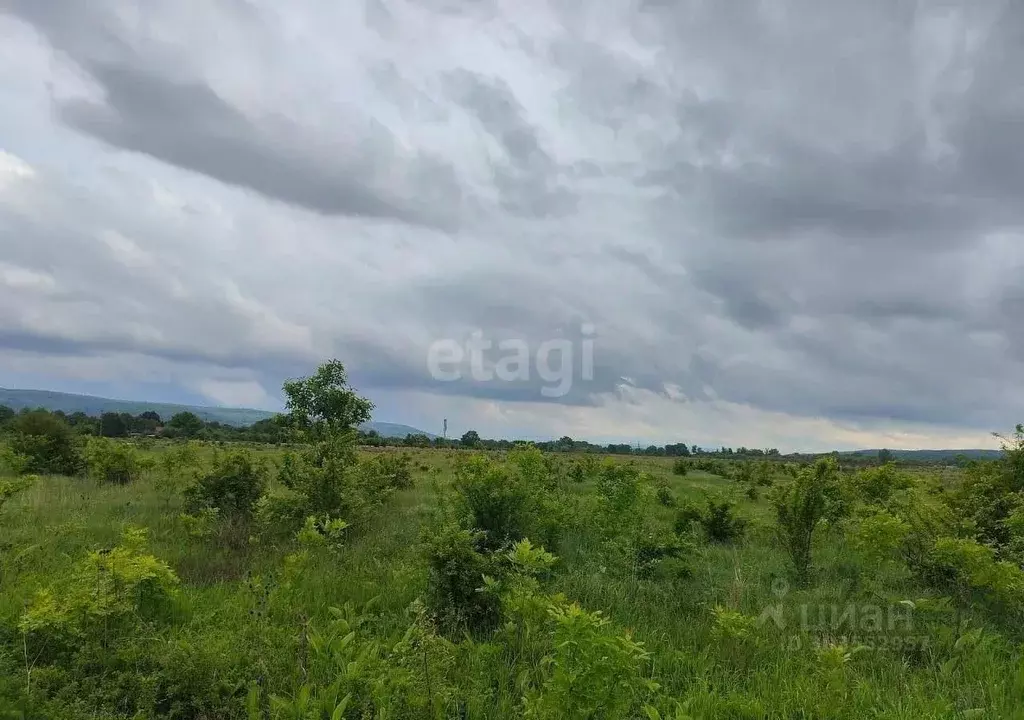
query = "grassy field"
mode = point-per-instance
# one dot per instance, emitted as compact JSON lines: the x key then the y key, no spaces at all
{"x":266,"y":623}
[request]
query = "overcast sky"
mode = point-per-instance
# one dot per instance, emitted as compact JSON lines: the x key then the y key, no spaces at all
{"x":790,"y":223}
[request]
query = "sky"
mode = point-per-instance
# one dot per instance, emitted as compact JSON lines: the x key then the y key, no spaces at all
{"x":785,"y":223}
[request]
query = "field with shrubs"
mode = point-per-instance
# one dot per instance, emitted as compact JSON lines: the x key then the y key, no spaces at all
{"x":317,"y":579}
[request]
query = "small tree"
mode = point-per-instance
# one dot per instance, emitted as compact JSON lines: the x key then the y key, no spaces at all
{"x":470,"y":439}
{"x":112,"y":425}
{"x":187,"y":424}
{"x":800,"y":506}
{"x":324,"y":403}
{"x":46,"y":442}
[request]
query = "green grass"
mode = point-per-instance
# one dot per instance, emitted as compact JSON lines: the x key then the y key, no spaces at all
{"x":219,"y":644}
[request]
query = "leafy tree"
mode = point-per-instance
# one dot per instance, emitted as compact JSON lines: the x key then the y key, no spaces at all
{"x":6,"y":414}
{"x":151,"y":415}
{"x":112,"y":425}
{"x":885,"y":456}
{"x":324,"y":402}
{"x":470,"y":439}
{"x":187,"y":424}
{"x":800,"y":506}
{"x":47,"y":443}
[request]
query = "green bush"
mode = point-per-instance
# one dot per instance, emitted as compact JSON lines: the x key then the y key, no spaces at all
{"x":47,"y":443}
{"x":508,"y":501}
{"x":457,"y":562}
{"x":800,"y":506}
{"x":112,"y":461}
{"x":233,"y":486}
{"x":680,"y":467}
{"x":721,"y":523}
{"x":109,"y":595}
{"x":718,"y":521}
{"x":665,"y":496}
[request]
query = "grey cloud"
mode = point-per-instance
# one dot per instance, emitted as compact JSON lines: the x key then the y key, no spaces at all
{"x":786,"y":206}
{"x":529,"y":181}
{"x":188,"y":125}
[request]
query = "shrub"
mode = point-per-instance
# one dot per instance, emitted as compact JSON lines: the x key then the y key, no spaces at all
{"x":876,"y":486}
{"x":799,"y":507}
{"x":233,"y":486}
{"x":591,"y":671}
{"x":665,"y":496}
{"x":718,"y":521}
{"x":508,"y":501}
{"x":583,"y":469}
{"x":964,"y":565}
{"x":721,"y":523}
{"x":991,"y":494}
{"x":108,"y":596}
{"x":457,"y":563}
{"x":112,"y":461}
{"x":618,"y":487}
{"x":47,"y":443}
{"x":389,"y":471}
{"x":680,"y":467}
{"x":687,"y":515}
{"x":877,"y":536}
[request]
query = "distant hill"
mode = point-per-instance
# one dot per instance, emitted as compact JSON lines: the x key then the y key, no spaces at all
{"x":92,"y":405}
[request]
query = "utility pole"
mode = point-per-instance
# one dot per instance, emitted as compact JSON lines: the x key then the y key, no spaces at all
{"x":445,"y":431}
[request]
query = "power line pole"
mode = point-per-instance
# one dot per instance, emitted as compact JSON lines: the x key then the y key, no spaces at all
{"x":445,"y":431}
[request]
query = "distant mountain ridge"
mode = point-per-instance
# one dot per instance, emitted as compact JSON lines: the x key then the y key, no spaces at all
{"x":92,"y":405}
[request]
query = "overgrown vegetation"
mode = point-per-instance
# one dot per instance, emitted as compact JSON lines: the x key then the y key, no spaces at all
{"x":323,"y":579}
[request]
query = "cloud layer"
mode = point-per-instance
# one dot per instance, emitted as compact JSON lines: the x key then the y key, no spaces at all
{"x":792,"y":223}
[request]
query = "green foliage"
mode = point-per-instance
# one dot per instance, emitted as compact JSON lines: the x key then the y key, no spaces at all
{"x":681,"y":467}
{"x":322,"y":532}
{"x":324,"y":402}
{"x":719,"y":521}
{"x":618,"y":488}
{"x":582,"y":469}
{"x":991,"y":494}
{"x":592,"y":671}
{"x":11,"y":487}
{"x":112,"y":425}
{"x":457,"y":561}
{"x":328,"y":479}
{"x":876,"y":536}
{"x":799,"y":508}
{"x":109,"y":595}
{"x":328,"y":620}
{"x":665,"y":496}
{"x":112,"y":461}
{"x":508,"y":501}
{"x":389,"y":471}
{"x":722,"y":523}
{"x":186,"y":424}
{"x":11,"y":462}
{"x":966,"y":565}
{"x":233,"y":486}
{"x":47,"y":443}
{"x":877,"y":486}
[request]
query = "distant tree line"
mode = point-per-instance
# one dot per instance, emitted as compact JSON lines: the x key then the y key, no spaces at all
{"x":185,"y":424}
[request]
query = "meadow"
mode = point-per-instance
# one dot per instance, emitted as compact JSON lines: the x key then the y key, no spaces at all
{"x":180,"y":579}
